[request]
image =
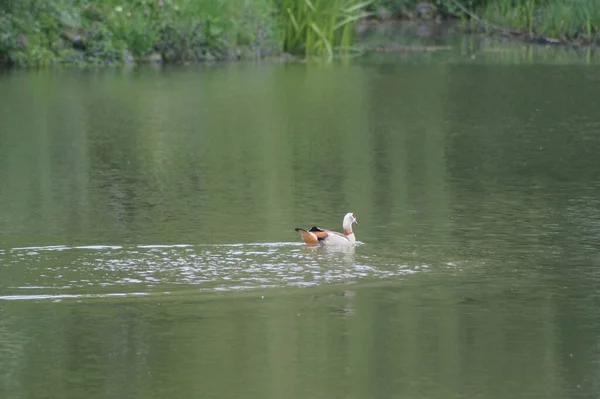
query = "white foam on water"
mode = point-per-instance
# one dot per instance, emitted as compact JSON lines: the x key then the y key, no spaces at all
{"x":68,"y":296}
{"x":165,"y":246}
{"x":46,"y":248}
{"x":98,"y":247}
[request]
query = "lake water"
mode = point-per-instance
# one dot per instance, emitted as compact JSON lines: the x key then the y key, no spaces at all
{"x":147,"y":243}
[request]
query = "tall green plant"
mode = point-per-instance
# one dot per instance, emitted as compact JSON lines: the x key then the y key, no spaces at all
{"x":319,"y":27}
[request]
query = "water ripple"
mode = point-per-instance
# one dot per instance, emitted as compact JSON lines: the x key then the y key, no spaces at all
{"x":59,"y":271}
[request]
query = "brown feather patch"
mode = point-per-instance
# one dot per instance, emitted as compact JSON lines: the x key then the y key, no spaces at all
{"x":307,"y":237}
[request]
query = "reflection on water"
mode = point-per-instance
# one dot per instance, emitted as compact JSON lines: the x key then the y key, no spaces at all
{"x":427,"y":42}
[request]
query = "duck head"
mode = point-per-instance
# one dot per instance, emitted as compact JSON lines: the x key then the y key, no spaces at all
{"x":349,"y":220}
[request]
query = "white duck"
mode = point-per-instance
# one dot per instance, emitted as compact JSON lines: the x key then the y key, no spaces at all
{"x":316,"y":236}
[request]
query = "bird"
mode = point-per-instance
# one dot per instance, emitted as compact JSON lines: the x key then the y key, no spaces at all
{"x":318,"y":236}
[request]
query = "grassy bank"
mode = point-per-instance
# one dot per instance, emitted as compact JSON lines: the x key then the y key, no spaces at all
{"x":84,"y":32}
{"x":38,"y":32}
{"x":42,"y":32}
{"x":550,"y":20}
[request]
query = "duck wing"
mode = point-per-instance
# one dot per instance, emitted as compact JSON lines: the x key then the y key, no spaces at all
{"x":329,"y":237}
{"x":317,"y":235}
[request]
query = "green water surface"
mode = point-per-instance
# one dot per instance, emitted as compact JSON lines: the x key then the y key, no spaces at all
{"x":147,"y":243}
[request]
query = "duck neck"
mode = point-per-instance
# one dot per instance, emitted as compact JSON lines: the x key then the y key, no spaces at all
{"x":348,"y":229}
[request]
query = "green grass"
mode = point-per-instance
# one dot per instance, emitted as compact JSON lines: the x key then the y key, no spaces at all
{"x":568,"y":20}
{"x":557,"y":19}
{"x":317,"y":28}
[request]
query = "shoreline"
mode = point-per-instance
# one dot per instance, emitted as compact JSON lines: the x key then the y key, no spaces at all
{"x":148,"y":32}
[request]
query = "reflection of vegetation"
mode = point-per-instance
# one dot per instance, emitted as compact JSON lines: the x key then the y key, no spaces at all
{"x":156,"y":162}
{"x":423,"y":42}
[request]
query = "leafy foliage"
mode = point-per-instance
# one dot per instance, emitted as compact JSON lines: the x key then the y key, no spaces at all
{"x":37,"y":32}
